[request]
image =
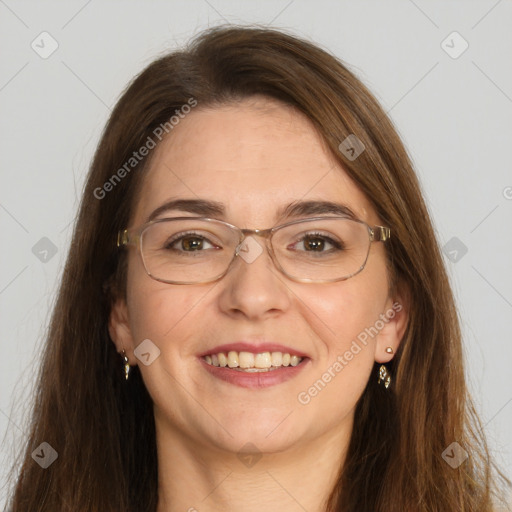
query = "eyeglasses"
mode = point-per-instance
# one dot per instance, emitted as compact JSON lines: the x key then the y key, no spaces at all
{"x":190,"y":250}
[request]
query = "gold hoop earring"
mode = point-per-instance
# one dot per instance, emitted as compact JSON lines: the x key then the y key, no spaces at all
{"x":384,"y":376}
{"x":126,"y":365}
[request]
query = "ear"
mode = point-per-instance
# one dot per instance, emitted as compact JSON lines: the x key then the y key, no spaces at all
{"x":395,"y":318}
{"x":119,"y":328}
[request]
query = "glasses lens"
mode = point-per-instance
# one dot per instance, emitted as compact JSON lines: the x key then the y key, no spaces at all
{"x":326,"y":249}
{"x":198,"y":250}
{"x":187,"y":251}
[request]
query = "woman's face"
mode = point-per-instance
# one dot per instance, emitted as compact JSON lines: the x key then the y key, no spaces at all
{"x":255,"y":158}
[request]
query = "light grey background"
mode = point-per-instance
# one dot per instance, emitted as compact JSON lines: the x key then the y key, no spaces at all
{"x":454,"y":115}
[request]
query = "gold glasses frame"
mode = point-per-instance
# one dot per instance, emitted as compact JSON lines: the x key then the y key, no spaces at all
{"x":133,"y":236}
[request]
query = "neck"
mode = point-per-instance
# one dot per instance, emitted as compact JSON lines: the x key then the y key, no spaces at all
{"x":195,"y":477}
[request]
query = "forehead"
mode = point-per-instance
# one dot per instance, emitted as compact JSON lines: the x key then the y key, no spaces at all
{"x":255,"y":156}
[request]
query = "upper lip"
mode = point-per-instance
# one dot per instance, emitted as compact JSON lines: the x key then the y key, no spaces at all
{"x":255,"y":348}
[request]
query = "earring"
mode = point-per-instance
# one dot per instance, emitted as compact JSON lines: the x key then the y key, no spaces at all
{"x":389,"y":350}
{"x":126,"y":365}
{"x":384,"y":376}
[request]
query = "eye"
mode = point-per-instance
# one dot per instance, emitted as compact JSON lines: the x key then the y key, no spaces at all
{"x":189,"y":242}
{"x":316,"y":242}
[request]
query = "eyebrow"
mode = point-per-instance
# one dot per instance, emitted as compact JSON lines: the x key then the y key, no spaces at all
{"x":214,"y":209}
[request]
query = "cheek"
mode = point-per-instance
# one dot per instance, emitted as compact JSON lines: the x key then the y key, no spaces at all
{"x":341,"y":312}
{"x":157,"y":310}
{"x":160,"y":313}
{"x":341,"y":317}
{"x":350,"y":311}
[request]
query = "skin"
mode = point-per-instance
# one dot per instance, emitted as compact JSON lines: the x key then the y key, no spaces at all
{"x":253,"y":156}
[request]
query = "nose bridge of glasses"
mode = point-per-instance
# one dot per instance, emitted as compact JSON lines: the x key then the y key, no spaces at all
{"x":264,"y":233}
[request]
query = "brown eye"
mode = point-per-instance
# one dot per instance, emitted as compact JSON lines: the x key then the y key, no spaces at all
{"x":189,"y":242}
{"x":317,"y":243}
{"x":192,"y":244}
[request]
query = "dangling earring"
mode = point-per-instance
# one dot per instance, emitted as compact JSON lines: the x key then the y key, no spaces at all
{"x":126,"y":365}
{"x":384,"y":376}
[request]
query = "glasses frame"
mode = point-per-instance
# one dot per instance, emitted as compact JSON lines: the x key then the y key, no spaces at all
{"x":133,"y":236}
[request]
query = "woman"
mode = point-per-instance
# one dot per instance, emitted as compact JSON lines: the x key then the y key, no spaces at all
{"x":254,"y":311}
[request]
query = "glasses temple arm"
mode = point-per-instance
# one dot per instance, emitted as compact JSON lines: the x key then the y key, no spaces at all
{"x":122,"y":237}
{"x":380,"y":233}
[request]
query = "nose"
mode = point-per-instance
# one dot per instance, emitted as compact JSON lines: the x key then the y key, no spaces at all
{"x":253,"y":286}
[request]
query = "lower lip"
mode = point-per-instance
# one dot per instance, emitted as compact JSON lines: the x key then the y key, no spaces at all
{"x":255,"y":380}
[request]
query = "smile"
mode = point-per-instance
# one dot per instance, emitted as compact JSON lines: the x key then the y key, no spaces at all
{"x":254,"y":370}
{"x":249,"y":362}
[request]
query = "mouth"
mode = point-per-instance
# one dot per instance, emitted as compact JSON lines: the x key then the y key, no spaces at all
{"x":254,"y":365}
{"x":249,"y":362}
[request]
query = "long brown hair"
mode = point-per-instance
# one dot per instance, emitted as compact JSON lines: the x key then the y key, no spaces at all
{"x":102,"y":427}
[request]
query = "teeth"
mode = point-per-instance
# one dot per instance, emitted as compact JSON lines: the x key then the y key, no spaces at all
{"x":247,"y":361}
{"x":255,"y":370}
{"x":294,"y":360}
{"x":232,"y":359}
{"x":262,"y":360}
{"x":277,"y":359}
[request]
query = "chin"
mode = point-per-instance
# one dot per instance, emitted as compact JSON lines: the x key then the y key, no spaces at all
{"x":268,"y":436}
